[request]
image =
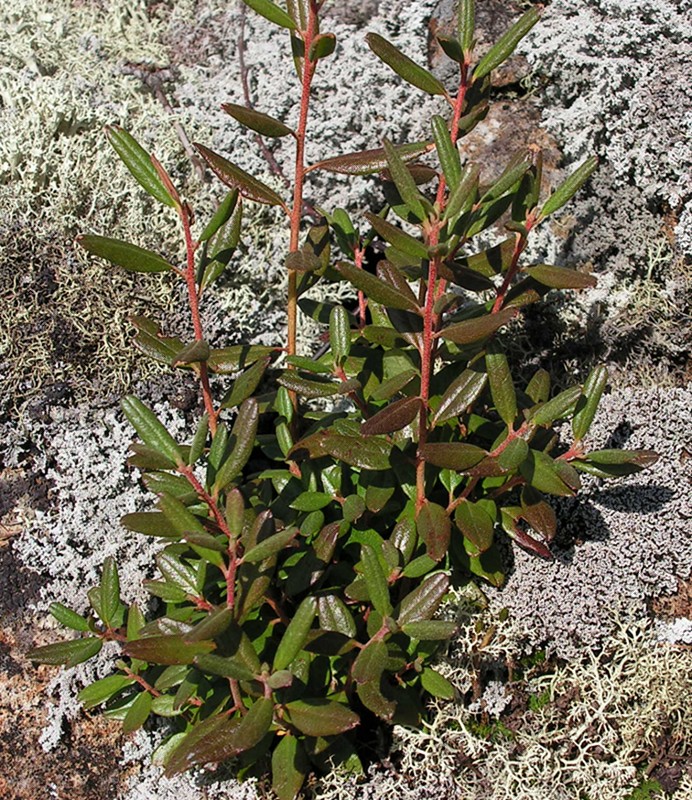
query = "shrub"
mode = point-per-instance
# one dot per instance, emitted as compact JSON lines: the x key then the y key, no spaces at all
{"x":308,"y":545}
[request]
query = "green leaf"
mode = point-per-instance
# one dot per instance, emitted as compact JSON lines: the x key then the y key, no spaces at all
{"x":335,"y":616}
{"x":339,"y":334}
{"x":321,"y":717}
{"x":371,"y":453}
{"x":501,"y":384}
{"x":149,"y":523}
{"x":212,"y":626}
{"x":257,"y":121}
{"x":434,"y":529}
{"x":403,"y":66}
{"x":199,"y":441}
{"x":476,"y":525}
{"x":391,"y":386}
{"x":491,"y":262}
{"x":463,"y":196}
{"x":452,"y":455}
{"x":588,"y":402}
{"x":559,"y":407}
{"x":638,"y":458}
{"x":394,"y":417}
{"x":103,"y":689}
{"x":69,"y":653}
{"x":513,"y":454}
{"x":323,"y":45}
{"x":538,"y":388}
{"x":395,"y":236}
{"x":68,"y":617}
{"x":225,"y":666}
{"x":460,"y":394}
{"x":479,"y":328}
{"x":109,"y":590}
{"x":466,"y":20}
{"x":233,"y":359}
{"x":424,"y":600}
{"x":370,"y":694}
{"x":167,"y":649}
{"x":512,"y":174}
{"x":560,"y":277}
{"x":123,"y":254}
{"x":151,"y":341}
{"x":220,"y":738}
{"x":236,"y":178}
{"x":315,"y":388}
{"x":296,"y":634}
{"x":376,"y":289}
{"x":192,"y":353}
{"x":430,"y":630}
{"x":272,"y":12}
{"x":447,"y":152}
{"x":506,"y":44}
{"x":370,"y":663}
{"x":437,"y":685}
{"x":139,"y":162}
{"x":243,"y":438}
{"x":137,"y":713}
{"x":538,"y":513}
{"x":570,"y":187}
{"x":376,"y":581}
{"x":539,"y":470}
{"x":404,"y":182}
{"x":221,"y":216}
{"x":150,"y":430}
{"x":245,"y":384}
{"x":365,"y":162}
{"x":220,"y":247}
{"x":270,"y":546}
{"x":289,"y":767}
{"x":179,"y":517}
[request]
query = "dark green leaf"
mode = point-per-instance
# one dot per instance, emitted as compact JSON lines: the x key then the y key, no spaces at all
{"x":150,"y":524}
{"x":375,"y":289}
{"x":339,"y":334}
{"x":479,"y":328}
{"x":376,"y":581}
{"x":109,"y":590}
{"x":391,"y":386}
{"x":152,"y":343}
{"x":314,"y":388}
{"x":394,"y":417}
{"x":466,"y":21}
{"x":404,"y":182}
{"x":123,"y":254}
{"x":296,"y":635}
{"x":560,"y":277}
{"x":424,"y":600}
{"x":506,"y":44}
{"x":511,"y":175}
{"x":243,"y":438}
{"x":103,"y":689}
{"x":270,"y":546}
{"x":538,"y":388}
{"x":69,"y":653}
{"x":372,"y":698}
{"x":559,"y":407}
{"x":289,"y":767}
{"x":323,"y":45}
{"x":395,"y":236}
{"x":447,"y":152}
{"x":366,"y":162}
{"x":138,"y":713}
{"x":460,"y":394}
{"x":451,"y":48}
{"x":272,"y":12}
{"x":237,"y":178}
{"x":430,"y":630}
{"x":139,"y":162}
{"x":321,"y":717}
{"x":245,"y":384}
{"x":491,"y":262}
{"x":570,"y":187}
{"x":539,"y":470}
{"x":213,"y":625}
{"x":180,"y":518}
{"x":463,"y":196}
{"x":370,"y":662}
{"x":226,"y":667}
{"x":404,"y":67}
{"x":335,"y":616}
{"x":501,"y":384}
{"x":192,"y":353}
{"x":434,"y":529}
{"x":452,"y":455}
{"x":221,"y":216}
{"x":167,"y":649}
{"x":588,"y":403}
{"x":513,"y":454}
{"x":476,"y":525}
{"x":68,"y":617}
{"x":372,"y":453}
{"x":538,"y":513}
{"x":257,"y":121}
{"x":638,"y":458}
{"x":233,"y":359}
{"x":150,"y":430}
{"x":437,"y":685}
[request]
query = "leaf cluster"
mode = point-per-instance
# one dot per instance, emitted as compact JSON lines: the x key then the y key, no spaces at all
{"x":306,"y":552}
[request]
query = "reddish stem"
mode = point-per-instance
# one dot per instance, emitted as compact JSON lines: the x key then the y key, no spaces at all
{"x":193,"y":295}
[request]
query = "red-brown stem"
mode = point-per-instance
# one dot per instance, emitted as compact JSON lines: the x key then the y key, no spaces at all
{"x":519,"y":246}
{"x":193,"y":295}
{"x":433,"y":290}
{"x":142,"y":682}
{"x":359,"y":255}
{"x":459,"y":500}
{"x":296,"y":211}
